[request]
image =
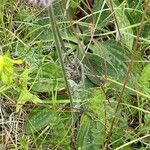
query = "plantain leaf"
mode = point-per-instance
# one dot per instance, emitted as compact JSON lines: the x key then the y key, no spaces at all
{"x":83,"y":131}
{"x":115,"y":56}
{"x":50,"y":78}
{"x":39,"y":118}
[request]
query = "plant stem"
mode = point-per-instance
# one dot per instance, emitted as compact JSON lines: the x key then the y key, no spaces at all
{"x":59,"y":43}
{"x":58,"y":40}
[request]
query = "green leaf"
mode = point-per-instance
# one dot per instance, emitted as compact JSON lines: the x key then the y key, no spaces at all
{"x":115,"y":57}
{"x":6,"y":69}
{"x":96,"y":69}
{"x":96,"y":103}
{"x":24,"y":78}
{"x":83,"y":131}
{"x":145,"y":78}
{"x":50,"y":78}
{"x":147,"y":119}
{"x":26,"y":96}
{"x":91,"y":134}
{"x":123,"y":21}
{"x":6,"y":79}
{"x":92,"y":130}
{"x":57,"y":127}
{"x":73,"y":4}
{"x":39,"y":118}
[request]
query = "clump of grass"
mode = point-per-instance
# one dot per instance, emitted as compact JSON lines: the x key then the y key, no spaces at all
{"x":83,"y":77}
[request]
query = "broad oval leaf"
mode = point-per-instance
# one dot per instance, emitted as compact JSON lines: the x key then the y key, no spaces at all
{"x":39,"y":118}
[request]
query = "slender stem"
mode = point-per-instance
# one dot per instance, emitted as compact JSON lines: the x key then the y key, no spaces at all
{"x":59,"y":43}
{"x":115,"y":18}
{"x":57,"y":38}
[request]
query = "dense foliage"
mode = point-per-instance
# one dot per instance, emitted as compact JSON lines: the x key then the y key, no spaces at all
{"x":75,"y":75}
